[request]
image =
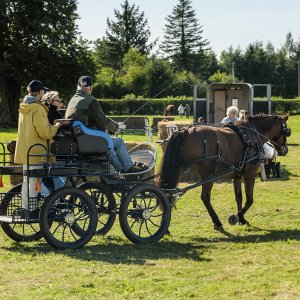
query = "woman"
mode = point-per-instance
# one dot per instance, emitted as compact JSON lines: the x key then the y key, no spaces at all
{"x":232,"y":112}
{"x":33,"y":128}
{"x":52,"y":100}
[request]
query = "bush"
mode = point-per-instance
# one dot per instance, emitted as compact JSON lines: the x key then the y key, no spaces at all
{"x":286,"y":105}
{"x":142,"y":106}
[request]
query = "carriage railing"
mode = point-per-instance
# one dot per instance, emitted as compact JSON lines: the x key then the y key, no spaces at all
{"x":12,"y":211}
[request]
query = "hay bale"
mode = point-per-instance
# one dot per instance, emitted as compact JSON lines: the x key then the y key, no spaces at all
{"x":186,"y":175}
{"x":156,"y":120}
{"x":162,"y":130}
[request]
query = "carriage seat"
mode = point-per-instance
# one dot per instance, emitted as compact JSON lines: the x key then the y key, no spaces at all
{"x":75,"y":139}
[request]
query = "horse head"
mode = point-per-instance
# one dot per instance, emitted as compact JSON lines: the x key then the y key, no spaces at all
{"x":280,"y":141}
{"x":279,"y":132}
{"x":273,"y":128}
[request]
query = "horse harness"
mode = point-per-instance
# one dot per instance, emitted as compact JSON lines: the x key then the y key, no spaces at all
{"x":255,"y":142}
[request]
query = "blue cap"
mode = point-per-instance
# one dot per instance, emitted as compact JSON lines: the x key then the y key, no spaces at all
{"x":85,"y":81}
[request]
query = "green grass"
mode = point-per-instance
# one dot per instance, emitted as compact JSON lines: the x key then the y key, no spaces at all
{"x":257,"y":262}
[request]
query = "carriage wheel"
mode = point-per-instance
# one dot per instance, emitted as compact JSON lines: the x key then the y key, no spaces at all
{"x":105,"y":205}
{"x":145,"y":214}
{"x":64,"y":208}
{"x":19,"y":232}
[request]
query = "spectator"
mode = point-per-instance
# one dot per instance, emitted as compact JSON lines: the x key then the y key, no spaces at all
{"x":232,"y":112}
{"x":242,"y":115}
{"x":180,"y":110}
{"x":187,"y":110}
{"x":201,"y":121}
{"x":85,"y":108}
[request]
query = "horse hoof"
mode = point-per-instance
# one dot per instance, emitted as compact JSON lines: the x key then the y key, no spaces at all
{"x":244,"y":222}
{"x":233,"y":219}
{"x":218,"y":226}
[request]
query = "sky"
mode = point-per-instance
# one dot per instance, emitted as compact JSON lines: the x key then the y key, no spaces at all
{"x":225,"y":23}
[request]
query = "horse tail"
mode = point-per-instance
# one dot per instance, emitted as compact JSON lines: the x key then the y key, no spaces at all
{"x":171,"y":162}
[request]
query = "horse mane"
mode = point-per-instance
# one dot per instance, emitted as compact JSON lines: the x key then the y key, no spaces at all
{"x":262,"y":117}
{"x":171,"y":162}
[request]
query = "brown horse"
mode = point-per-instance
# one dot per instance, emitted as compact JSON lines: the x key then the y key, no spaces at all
{"x":232,"y":151}
{"x":170,"y":109}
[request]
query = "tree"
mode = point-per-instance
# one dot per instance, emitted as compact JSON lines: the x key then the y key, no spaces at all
{"x":183,"y":42}
{"x":38,"y":40}
{"x":129,"y":30}
{"x":221,"y":77}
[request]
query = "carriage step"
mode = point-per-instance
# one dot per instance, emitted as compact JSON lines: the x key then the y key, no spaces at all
{"x":10,"y":220}
{"x":11,"y":170}
{"x":56,"y":172}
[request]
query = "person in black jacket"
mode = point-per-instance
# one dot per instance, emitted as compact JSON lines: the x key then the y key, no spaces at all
{"x":52,"y":100}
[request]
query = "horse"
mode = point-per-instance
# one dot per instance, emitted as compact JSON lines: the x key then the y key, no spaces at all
{"x":230,"y":152}
{"x":170,"y":109}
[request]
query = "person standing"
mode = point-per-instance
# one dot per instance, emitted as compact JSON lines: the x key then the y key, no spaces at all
{"x":33,"y":128}
{"x":180,"y":110}
{"x":85,"y":108}
{"x":187,"y":110}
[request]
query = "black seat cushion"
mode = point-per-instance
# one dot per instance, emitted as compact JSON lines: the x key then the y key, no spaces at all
{"x":89,"y":144}
{"x":63,"y":148}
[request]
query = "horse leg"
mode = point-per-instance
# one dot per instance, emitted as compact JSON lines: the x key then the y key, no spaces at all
{"x":237,"y":184}
{"x":205,"y":196}
{"x":249,"y":180}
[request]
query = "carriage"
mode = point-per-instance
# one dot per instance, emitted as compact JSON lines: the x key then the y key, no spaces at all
{"x":75,"y":207}
{"x":80,"y":193}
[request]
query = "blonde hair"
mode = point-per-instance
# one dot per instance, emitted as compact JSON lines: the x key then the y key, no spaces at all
{"x":49,"y":97}
{"x":232,"y":110}
{"x":242,"y":115}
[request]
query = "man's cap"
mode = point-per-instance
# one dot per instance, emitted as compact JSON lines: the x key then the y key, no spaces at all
{"x":85,"y":81}
{"x":36,"y":86}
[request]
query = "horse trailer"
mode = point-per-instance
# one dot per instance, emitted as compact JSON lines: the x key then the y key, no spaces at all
{"x":254,"y":99}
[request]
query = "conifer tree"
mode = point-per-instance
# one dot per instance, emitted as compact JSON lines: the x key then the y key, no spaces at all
{"x":183,"y":42}
{"x":128,"y":30}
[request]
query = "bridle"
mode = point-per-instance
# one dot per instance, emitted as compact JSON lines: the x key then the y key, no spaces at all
{"x":285,"y":131}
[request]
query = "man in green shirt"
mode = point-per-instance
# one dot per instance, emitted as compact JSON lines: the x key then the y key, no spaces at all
{"x":85,"y":108}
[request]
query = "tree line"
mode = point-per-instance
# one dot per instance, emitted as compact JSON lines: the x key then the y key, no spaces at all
{"x":40,"y":40}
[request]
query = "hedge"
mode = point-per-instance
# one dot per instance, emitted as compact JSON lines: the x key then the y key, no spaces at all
{"x":157,"y":106}
{"x":144,"y":106}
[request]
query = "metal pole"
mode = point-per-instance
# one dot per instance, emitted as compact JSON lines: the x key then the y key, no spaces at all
{"x":232,"y":67}
{"x":298,"y":78}
{"x":194,"y":103}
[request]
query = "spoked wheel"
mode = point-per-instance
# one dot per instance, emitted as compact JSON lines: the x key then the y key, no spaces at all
{"x":105,"y":205}
{"x":19,"y":232}
{"x":145,"y":214}
{"x":63,"y":209}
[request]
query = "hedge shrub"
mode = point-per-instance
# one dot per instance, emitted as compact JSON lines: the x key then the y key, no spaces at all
{"x":157,"y":106}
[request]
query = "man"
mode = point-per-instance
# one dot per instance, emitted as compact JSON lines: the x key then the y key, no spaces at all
{"x":85,"y":108}
{"x":33,"y":128}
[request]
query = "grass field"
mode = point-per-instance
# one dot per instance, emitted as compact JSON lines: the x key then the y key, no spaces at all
{"x":257,"y":262}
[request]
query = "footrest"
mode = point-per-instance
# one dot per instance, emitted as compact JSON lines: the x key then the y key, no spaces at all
{"x":11,"y":170}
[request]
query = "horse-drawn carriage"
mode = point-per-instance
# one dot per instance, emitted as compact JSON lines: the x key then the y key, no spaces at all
{"x":69,"y":216}
{"x":70,"y":209}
